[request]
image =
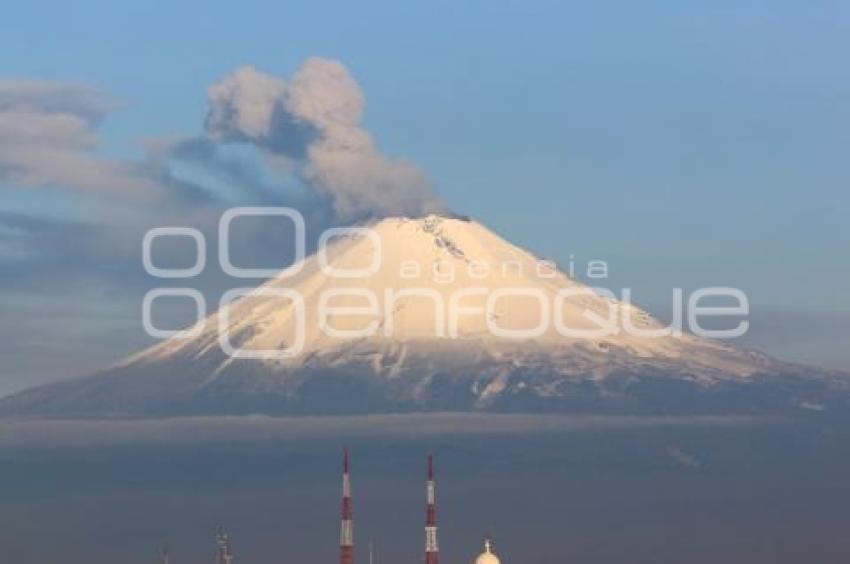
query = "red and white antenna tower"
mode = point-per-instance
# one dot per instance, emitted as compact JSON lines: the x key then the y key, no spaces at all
{"x":432,"y":552}
{"x":346,"y":531}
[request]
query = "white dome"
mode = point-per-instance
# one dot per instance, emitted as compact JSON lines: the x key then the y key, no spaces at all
{"x":487,"y":557}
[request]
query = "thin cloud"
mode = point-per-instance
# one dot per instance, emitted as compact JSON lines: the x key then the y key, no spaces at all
{"x":48,"y":137}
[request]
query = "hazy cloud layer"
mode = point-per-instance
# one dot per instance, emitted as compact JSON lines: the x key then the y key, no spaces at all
{"x":315,"y":120}
{"x":247,"y":430}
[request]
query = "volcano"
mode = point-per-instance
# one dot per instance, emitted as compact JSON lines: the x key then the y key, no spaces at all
{"x":432,"y":314}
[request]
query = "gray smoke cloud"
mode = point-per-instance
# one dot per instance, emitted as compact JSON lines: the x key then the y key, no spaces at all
{"x":313,"y":122}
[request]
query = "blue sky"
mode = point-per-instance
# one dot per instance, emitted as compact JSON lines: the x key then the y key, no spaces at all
{"x":687,"y":144}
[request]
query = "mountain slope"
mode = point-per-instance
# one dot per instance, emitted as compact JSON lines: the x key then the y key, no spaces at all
{"x":413,"y":353}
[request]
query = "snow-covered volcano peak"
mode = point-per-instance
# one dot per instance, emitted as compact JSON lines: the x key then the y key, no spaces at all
{"x":427,"y":313}
{"x":446,"y":290}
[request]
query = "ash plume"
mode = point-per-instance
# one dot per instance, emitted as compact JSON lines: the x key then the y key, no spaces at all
{"x":313,"y":123}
